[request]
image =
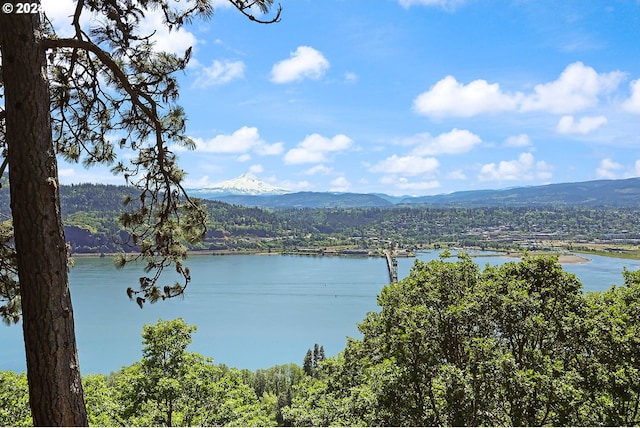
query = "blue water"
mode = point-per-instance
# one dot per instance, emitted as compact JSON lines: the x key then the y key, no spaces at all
{"x":252,"y":311}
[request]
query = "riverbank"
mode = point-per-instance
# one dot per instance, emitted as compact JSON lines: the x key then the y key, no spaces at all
{"x":567,"y":253}
{"x":340,"y":252}
{"x":562,"y":258}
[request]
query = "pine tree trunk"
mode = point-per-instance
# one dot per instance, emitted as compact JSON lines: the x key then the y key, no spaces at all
{"x":52,"y":360}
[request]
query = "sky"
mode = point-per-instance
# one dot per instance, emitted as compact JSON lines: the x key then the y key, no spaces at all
{"x":406,"y":97}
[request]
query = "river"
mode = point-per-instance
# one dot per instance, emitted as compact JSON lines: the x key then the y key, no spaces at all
{"x":252,"y":311}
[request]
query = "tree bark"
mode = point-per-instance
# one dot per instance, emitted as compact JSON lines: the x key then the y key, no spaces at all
{"x":55,"y":388}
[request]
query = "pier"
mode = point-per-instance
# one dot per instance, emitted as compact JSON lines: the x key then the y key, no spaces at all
{"x":392,"y":266}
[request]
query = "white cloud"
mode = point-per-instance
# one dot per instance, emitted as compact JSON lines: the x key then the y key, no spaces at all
{"x":450,"y":98}
{"x":523,"y":168}
{"x":586,"y":125}
{"x":314,"y":148}
{"x":175,"y":41}
{"x":270,"y":149}
{"x":635,"y":171}
{"x":219,"y":73}
{"x":521,"y":140}
{"x":60,"y":12}
{"x":401,"y":183}
{"x":305,"y":62}
{"x":578,"y":87}
{"x":256,"y":169}
{"x":340,"y":184}
{"x":407,"y":165}
{"x":242,"y":141}
{"x":608,"y":168}
{"x":632,"y":105}
{"x":454,"y":142}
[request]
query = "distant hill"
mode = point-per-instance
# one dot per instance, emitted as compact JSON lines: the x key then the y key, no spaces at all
{"x":308,"y":200}
{"x":107,"y":200}
{"x":91,"y":212}
{"x":612,"y":193}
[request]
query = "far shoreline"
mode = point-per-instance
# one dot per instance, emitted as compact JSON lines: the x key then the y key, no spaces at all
{"x":568,"y":259}
{"x":562,"y":258}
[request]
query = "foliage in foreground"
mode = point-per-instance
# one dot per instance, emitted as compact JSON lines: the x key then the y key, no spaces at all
{"x":518,"y":344}
{"x":452,"y":344}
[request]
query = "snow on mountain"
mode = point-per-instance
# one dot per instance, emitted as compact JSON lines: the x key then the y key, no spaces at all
{"x":246,"y":184}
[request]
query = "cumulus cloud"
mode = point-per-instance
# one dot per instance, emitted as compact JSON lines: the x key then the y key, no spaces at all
{"x":523,"y":168}
{"x":448,"y":97}
{"x":270,"y":149}
{"x":608,"y":169}
{"x":454,"y":142}
{"x":219,"y":73}
{"x":175,"y":41}
{"x":586,"y":125}
{"x":242,"y":141}
{"x":632,"y":105}
{"x":315,"y":148}
{"x":521,"y":140}
{"x":305,"y":62}
{"x":340,"y":184}
{"x":60,"y":12}
{"x":578,"y":87}
{"x":407,"y":165}
{"x":256,"y":169}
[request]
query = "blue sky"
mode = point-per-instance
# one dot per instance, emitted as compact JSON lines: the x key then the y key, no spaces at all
{"x":408,"y":97}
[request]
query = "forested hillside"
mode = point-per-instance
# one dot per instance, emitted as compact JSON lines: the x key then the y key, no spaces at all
{"x":91,"y":214}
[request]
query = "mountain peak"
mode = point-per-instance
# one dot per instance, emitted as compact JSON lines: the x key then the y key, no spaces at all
{"x":245,"y":184}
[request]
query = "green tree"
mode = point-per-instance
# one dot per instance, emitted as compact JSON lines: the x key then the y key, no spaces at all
{"x":536,"y":309}
{"x":67,"y":96}
{"x":165,"y":364}
{"x":100,"y":401}
{"x":307,"y":364}
{"x":14,"y":400}
{"x":172,"y":387}
{"x":453,"y":345}
{"x":608,"y":364}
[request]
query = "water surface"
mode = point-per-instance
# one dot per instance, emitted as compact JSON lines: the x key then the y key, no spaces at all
{"x":252,"y":311}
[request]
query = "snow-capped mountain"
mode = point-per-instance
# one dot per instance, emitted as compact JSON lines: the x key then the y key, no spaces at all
{"x":246,"y":184}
